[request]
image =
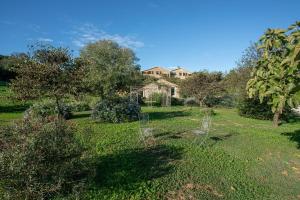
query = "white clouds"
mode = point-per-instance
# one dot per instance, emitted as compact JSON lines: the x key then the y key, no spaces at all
{"x":45,"y":40}
{"x":87,"y":33}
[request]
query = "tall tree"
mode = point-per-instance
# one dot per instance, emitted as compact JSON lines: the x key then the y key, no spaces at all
{"x":50,"y":72}
{"x":276,"y":76}
{"x":236,"y":80}
{"x":112,"y":68}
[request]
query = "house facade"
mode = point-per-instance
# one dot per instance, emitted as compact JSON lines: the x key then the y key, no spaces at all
{"x":157,"y":72}
{"x":180,"y":73}
{"x":160,"y":72}
{"x":161,"y":86}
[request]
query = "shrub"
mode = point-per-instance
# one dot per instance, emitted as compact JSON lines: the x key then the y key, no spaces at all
{"x":116,"y":110}
{"x":156,"y":98}
{"x":191,"y":101}
{"x":222,"y":101}
{"x":41,"y":159}
{"x":177,"y":101}
{"x":48,"y":108}
{"x":78,"y":106}
{"x":252,"y":108}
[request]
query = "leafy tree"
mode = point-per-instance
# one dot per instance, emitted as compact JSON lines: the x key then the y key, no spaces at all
{"x":276,"y":76}
{"x":202,"y":85}
{"x":112,"y":68}
{"x":235,"y":81}
{"x":7,"y":64}
{"x":48,"y":72}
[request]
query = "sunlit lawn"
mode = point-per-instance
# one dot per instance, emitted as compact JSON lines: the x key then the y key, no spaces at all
{"x":242,"y":158}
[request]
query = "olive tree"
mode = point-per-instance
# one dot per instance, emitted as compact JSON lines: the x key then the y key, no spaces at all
{"x":112,"y":68}
{"x":49,"y":72}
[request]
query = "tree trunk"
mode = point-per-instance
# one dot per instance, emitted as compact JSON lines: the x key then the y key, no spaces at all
{"x":60,"y":112}
{"x":276,"y":119}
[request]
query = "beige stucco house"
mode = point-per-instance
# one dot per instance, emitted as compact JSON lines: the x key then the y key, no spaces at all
{"x":156,"y":72}
{"x":160,"y":72}
{"x":161,"y":86}
{"x":180,"y":73}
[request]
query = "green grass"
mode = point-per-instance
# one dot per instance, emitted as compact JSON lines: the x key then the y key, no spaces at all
{"x":242,"y":159}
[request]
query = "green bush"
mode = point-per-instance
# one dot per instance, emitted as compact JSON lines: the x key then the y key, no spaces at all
{"x":48,"y":108}
{"x":79,"y":106}
{"x":252,"y":108}
{"x":191,"y":101}
{"x":116,"y":110}
{"x":41,"y":159}
{"x":221,"y":101}
{"x":177,"y":101}
{"x":156,"y":98}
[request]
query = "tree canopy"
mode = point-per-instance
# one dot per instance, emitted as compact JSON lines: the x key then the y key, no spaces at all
{"x":112,"y":68}
{"x":202,"y":85}
{"x":276,"y":76}
{"x":48,"y":71}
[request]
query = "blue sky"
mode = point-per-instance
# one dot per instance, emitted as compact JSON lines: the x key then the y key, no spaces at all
{"x":196,"y":34}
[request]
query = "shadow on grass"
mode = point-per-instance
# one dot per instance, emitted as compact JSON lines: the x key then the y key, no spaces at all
{"x":123,"y":170}
{"x":81,"y":115}
{"x":221,"y":137}
{"x":294,"y":136}
{"x":167,"y":115}
{"x":14,"y":108}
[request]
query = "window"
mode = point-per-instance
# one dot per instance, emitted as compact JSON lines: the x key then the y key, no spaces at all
{"x":157,"y":72}
{"x":172,"y":91}
{"x":180,"y":74}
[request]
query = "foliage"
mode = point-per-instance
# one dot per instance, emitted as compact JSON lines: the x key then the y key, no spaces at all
{"x":48,"y":72}
{"x":112,"y":69}
{"x":47,"y":108}
{"x":253,"y":108}
{"x":202,"y":85}
{"x":156,"y":99}
{"x":191,"y":101}
{"x":8,"y":103}
{"x":148,"y":80}
{"x":177,"y":101}
{"x":276,"y":76}
{"x":5,"y":73}
{"x":235,"y":81}
{"x":116,"y":110}
{"x":174,"y":80}
{"x":41,"y":159}
{"x":78,"y":106}
{"x":227,"y":101}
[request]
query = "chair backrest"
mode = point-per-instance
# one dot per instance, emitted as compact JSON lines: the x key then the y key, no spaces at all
{"x":145,"y":129}
{"x":206,"y":123}
{"x":144,"y":119}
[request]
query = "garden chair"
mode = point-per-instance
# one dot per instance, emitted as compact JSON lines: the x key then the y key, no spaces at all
{"x":202,"y":132}
{"x":146,"y":132}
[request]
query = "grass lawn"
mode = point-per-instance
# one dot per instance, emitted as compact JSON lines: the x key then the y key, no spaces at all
{"x":242,"y":159}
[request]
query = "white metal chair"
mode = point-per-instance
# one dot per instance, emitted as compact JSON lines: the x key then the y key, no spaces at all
{"x":146,"y":131}
{"x":202,"y":132}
